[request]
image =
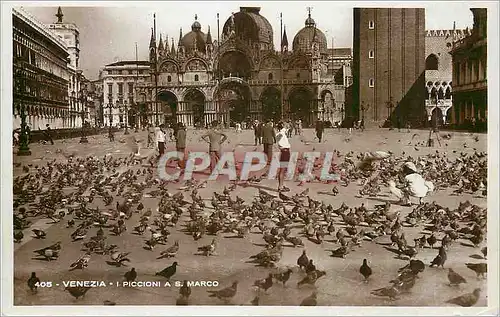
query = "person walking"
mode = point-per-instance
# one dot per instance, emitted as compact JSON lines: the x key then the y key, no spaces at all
{"x":111,"y":134}
{"x":256,"y":131}
{"x":260,"y":130}
{"x":28,"y":133}
{"x":180,"y":144}
{"x":268,"y":139}
{"x":133,"y":144}
{"x":150,"y":136}
{"x":284,"y":147}
{"x":48,"y":134}
{"x":214,"y":138}
{"x":350,"y":124}
{"x":362,"y":125}
{"x":160,"y":139}
{"x":320,"y":127}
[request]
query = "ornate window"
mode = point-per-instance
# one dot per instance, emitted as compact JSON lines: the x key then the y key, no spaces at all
{"x":196,"y":78}
{"x":431,"y":62}
{"x":371,"y":24}
{"x":169,"y":78}
{"x":270,"y":76}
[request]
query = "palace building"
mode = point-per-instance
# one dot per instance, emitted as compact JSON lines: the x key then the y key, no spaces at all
{"x":438,"y":73}
{"x":470,"y":81}
{"x":118,"y":87}
{"x":40,"y":74}
{"x":238,"y":75}
{"x":70,"y":34}
{"x":47,"y":79}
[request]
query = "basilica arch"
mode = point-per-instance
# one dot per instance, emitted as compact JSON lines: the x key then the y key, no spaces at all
{"x":167,"y":104}
{"x":235,"y":64}
{"x":271,"y":103}
{"x":300,"y":100}
{"x":195,"y":104}
{"x":233,"y":98}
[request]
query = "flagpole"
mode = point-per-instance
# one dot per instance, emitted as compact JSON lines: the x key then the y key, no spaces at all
{"x":156,"y":71}
{"x":281,"y":66}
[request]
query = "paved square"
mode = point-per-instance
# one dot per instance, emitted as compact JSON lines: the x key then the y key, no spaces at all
{"x":342,"y":285}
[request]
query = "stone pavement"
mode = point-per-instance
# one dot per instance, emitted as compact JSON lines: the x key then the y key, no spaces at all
{"x":342,"y":285}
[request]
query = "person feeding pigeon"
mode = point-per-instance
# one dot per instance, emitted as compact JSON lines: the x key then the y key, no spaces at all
{"x":416,"y":185}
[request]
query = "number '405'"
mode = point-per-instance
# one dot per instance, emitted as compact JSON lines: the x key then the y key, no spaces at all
{"x":43,"y":284}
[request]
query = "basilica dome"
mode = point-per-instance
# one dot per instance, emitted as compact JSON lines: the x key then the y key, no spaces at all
{"x":195,"y":37}
{"x":248,"y":24}
{"x":303,"y":39}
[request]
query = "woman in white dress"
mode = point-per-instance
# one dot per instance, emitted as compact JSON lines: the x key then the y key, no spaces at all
{"x":284,"y":146}
{"x":416,"y":185}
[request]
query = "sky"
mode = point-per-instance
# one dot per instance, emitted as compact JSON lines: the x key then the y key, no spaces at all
{"x":109,"y":31}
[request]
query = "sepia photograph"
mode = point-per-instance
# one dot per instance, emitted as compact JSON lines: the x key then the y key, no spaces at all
{"x":222,"y":154}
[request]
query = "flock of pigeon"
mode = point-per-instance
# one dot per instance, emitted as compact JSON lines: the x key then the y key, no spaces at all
{"x":283,"y":220}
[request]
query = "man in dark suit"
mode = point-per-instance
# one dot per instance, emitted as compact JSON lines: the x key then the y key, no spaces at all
{"x":180,"y":143}
{"x":214,"y":138}
{"x":320,"y":127}
{"x":256,"y":130}
{"x":268,"y":139}
{"x":48,"y":134}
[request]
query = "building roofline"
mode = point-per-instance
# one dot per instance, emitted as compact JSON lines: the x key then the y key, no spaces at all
{"x":39,"y":26}
{"x":444,"y":33}
{"x":124,"y":63}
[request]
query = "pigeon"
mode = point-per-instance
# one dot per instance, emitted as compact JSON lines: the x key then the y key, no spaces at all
{"x":311,"y":278}
{"x":18,"y":236}
{"x":266,"y":283}
{"x":283,"y":277}
{"x":39,"y":234}
{"x":131,"y":275}
{"x":77,"y":292}
{"x":432,"y":240}
{"x":109,"y":303}
{"x":117,"y":259}
{"x":209,"y":249}
{"x":365,"y":270}
{"x":390,"y":291}
{"x":415,"y":266}
{"x":484,"y":251}
{"x":394,"y":190}
{"x":225,"y":293}
{"x":81,"y":263}
{"x":170,"y":252}
{"x":340,"y":252}
{"x":33,"y":282}
{"x":185,"y":290}
{"x":480,"y":268}
{"x":440,"y":259}
{"x":466,"y":300}
{"x":310,"y":300}
{"x":303,"y":260}
{"x":168,"y":272}
{"x":310,"y":266}
{"x":455,"y":278}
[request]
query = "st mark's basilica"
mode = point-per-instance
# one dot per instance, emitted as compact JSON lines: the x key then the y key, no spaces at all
{"x":239,"y":76}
